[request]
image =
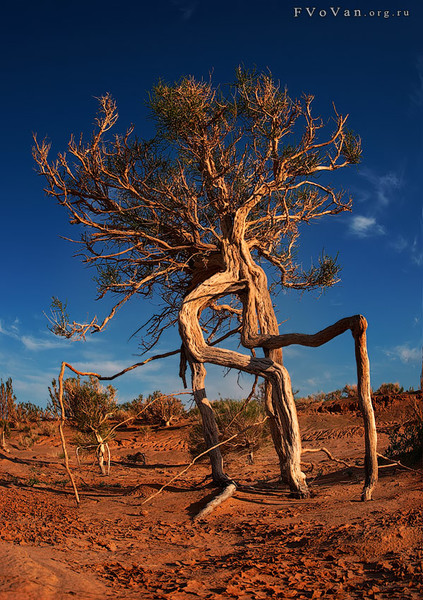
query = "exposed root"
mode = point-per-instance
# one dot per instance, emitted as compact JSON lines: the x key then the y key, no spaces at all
{"x":227,"y":493}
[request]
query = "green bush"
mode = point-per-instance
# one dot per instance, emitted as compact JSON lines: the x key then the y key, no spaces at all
{"x":232,"y":419}
{"x":162,"y":409}
{"x":87,"y":403}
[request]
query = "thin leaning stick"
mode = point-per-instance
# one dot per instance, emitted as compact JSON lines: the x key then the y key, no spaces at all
{"x":62,"y":436}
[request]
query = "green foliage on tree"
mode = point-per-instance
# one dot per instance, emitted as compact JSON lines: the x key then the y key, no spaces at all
{"x":88,"y":404}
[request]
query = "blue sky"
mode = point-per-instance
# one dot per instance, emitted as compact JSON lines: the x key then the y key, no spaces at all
{"x":56,"y":58}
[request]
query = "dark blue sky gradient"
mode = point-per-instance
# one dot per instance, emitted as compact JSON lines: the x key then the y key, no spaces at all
{"x":56,"y":58}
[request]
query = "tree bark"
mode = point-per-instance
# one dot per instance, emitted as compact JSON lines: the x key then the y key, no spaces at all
{"x":358,"y":325}
{"x":259,"y":315}
{"x":365,"y":399}
{"x":210,"y":429}
{"x":260,"y":329}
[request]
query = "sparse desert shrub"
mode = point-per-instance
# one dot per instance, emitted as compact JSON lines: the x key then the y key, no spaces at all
{"x":31,"y":432}
{"x":162,"y":409}
{"x":122,"y":414}
{"x":47,"y":428}
{"x":335,"y":395}
{"x":316,"y":397}
{"x":89,"y":406}
{"x":155,"y":409}
{"x":27,"y":412}
{"x":407,"y":441}
{"x":27,"y":438}
{"x":349,"y":391}
{"x":134,"y":408}
{"x":232,"y":420}
{"x":389,"y":388}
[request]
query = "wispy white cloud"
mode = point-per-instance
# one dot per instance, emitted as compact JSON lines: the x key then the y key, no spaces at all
{"x":45,"y":341}
{"x":417,"y":252}
{"x":399,"y":244}
{"x":10,"y":331}
{"x":405,"y":353}
{"x":384,"y":186}
{"x":414,"y":248}
{"x":365,"y":226}
{"x":42,"y":343}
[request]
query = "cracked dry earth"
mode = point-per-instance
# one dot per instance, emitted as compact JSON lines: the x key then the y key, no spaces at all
{"x":258,"y":544}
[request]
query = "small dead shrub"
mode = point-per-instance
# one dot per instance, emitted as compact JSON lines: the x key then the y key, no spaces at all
{"x":47,"y":428}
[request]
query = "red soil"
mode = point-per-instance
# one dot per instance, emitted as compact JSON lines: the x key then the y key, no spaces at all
{"x":259,"y":544}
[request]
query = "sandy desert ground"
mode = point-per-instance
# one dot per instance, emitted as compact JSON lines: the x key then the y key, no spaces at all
{"x":258,"y":544}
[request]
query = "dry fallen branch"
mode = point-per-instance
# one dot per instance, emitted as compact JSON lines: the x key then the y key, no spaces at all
{"x":328,"y":454}
{"x":62,"y":435}
{"x":222,"y":497}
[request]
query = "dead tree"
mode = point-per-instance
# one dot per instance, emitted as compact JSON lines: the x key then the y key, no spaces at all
{"x":7,"y":410}
{"x":196,"y":213}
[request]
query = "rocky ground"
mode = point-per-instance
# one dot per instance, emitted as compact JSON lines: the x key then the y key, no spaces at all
{"x":258,"y":544}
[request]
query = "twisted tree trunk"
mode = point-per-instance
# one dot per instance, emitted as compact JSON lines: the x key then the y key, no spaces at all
{"x":259,"y":315}
{"x":282,"y":410}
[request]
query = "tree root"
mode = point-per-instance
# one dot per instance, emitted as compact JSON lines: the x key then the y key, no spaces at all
{"x":219,"y":499}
